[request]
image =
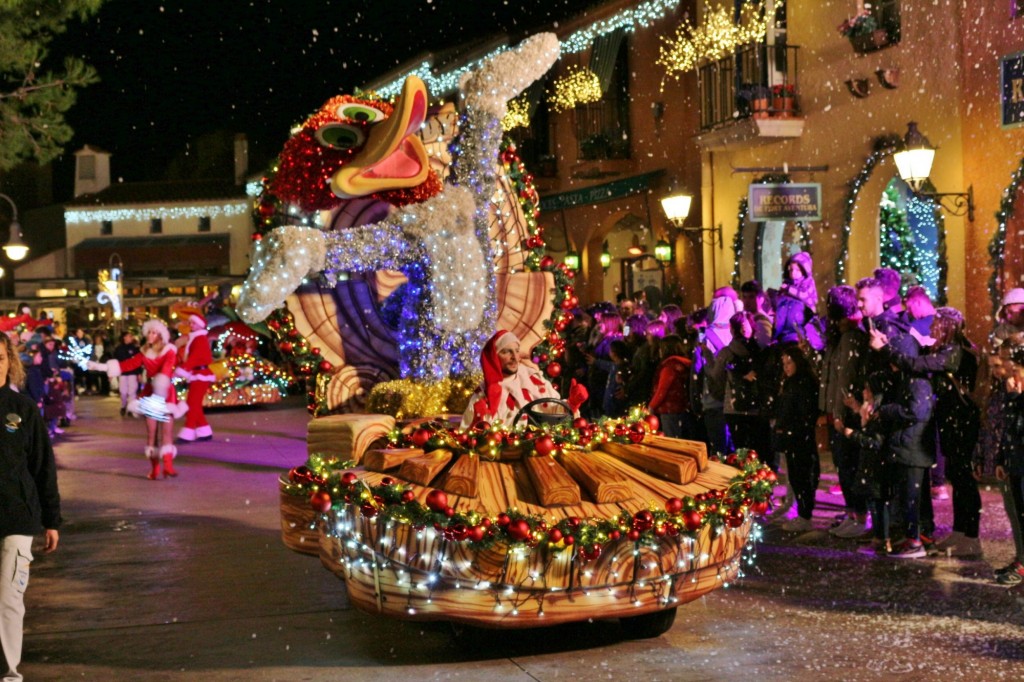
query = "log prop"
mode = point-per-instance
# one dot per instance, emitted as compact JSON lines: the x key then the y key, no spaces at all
{"x":670,"y":466}
{"x":422,"y":469}
{"x":388,"y":458}
{"x":553,"y":484}
{"x":696,"y":449}
{"x":461,"y":479}
{"x":603,"y":483}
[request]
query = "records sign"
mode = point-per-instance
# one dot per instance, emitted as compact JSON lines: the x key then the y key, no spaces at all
{"x":790,"y":201}
{"x":1011,"y":76}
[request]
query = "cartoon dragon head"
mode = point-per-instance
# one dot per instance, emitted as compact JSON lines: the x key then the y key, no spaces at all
{"x":359,"y":147}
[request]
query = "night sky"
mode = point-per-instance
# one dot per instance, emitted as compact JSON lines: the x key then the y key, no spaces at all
{"x":175,"y":69}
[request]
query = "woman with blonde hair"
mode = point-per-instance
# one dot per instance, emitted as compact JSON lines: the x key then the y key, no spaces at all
{"x":158,"y":401}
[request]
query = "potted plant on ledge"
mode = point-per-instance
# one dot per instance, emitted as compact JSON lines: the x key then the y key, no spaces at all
{"x":783,"y":100}
{"x":863,"y":32}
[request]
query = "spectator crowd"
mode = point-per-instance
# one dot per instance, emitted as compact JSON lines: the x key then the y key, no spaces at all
{"x":875,"y":373}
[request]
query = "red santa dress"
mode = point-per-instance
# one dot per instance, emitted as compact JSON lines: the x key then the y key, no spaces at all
{"x":194,"y":363}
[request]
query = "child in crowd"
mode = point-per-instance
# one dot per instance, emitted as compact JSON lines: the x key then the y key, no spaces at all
{"x":875,"y":475}
{"x":56,"y":394}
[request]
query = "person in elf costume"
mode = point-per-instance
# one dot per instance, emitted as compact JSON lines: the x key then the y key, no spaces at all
{"x":194,"y":360}
{"x":508,"y":385}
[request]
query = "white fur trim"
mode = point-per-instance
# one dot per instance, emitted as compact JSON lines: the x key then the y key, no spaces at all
{"x":177,"y":410}
{"x":150,"y":452}
{"x":160,"y":328}
{"x":187,"y":434}
{"x":113,"y":369}
{"x":168,"y":450}
{"x":204,"y":431}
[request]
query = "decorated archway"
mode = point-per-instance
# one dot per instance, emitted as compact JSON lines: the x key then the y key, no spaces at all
{"x":912,"y":239}
{"x":867,"y":237}
{"x":1005,"y":248}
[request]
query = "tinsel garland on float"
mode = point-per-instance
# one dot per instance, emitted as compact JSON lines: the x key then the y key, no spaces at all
{"x":997,"y":246}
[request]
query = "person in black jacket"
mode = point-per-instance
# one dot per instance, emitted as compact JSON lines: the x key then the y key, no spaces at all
{"x":952,"y":365}
{"x":796,"y":411}
{"x":128,"y":382}
{"x":29,"y":500}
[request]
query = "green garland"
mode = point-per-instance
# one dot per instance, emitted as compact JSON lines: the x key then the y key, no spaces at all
{"x":327,"y":484}
{"x":741,"y":224}
{"x":552,"y":344}
{"x":997,"y":246}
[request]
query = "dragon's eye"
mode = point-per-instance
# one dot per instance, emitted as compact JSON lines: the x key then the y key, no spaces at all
{"x":340,"y":136}
{"x":359,"y":113}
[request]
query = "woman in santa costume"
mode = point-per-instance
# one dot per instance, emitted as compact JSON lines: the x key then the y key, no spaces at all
{"x":509,"y":384}
{"x":157,"y":401}
{"x":194,"y":360}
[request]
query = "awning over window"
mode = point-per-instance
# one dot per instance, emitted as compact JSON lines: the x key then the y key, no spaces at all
{"x":603,"y":54}
{"x":171,"y":254}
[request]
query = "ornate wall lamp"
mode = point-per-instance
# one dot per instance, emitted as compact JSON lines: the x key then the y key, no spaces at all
{"x":914,"y":162}
{"x":677,"y":208}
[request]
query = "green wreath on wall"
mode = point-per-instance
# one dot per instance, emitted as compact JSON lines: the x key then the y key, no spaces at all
{"x":884,"y":146}
{"x":997,"y":246}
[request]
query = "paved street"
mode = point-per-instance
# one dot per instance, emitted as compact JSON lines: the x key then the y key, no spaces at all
{"x":187,"y":579}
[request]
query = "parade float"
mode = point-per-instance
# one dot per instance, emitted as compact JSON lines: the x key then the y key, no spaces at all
{"x":425,"y":518}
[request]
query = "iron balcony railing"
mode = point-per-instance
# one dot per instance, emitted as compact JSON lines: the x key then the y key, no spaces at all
{"x":756,"y":81}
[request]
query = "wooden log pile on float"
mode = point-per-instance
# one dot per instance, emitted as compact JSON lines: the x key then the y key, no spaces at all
{"x":499,"y":528}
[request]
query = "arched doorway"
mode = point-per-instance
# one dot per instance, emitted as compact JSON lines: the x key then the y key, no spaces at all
{"x":911,"y":238}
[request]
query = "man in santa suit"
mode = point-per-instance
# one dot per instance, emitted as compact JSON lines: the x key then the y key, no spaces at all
{"x":194,"y":363}
{"x":509,"y":385}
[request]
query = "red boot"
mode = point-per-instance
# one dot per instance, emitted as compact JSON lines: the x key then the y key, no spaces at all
{"x":168,"y":452}
{"x":154,"y":462}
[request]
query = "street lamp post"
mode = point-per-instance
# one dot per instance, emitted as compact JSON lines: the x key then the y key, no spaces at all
{"x":914,"y":163}
{"x":15,"y":248}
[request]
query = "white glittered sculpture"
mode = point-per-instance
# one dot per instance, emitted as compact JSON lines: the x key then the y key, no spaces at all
{"x":437,"y":235}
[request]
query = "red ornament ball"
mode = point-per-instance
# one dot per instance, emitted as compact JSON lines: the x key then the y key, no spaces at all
{"x":614,"y":535}
{"x":544,"y":446}
{"x":580,"y":423}
{"x":408,"y":496}
{"x":652,"y":422}
{"x":300,"y":475}
{"x":420,"y":437}
{"x":320,"y":501}
{"x":555,"y":535}
{"x":546,"y":262}
{"x":692,"y":519}
{"x":554,"y":370}
{"x":437,"y":501}
{"x":633,"y":535}
{"x":759,"y":508}
{"x":519,"y":530}
{"x":643,"y":520}
{"x":734,"y":519}
{"x":504,"y":519}
{"x":673,"y":505}
{"x":325,"y":366}
{"x":476,"y":533}
{"x":368,"y":510}
{"x":348,"y":478}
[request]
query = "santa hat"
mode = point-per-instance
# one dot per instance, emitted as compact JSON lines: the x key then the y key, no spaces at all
{"x":157,"y":326}
{"x":491,"y":365}
{"x":190,"y":313}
